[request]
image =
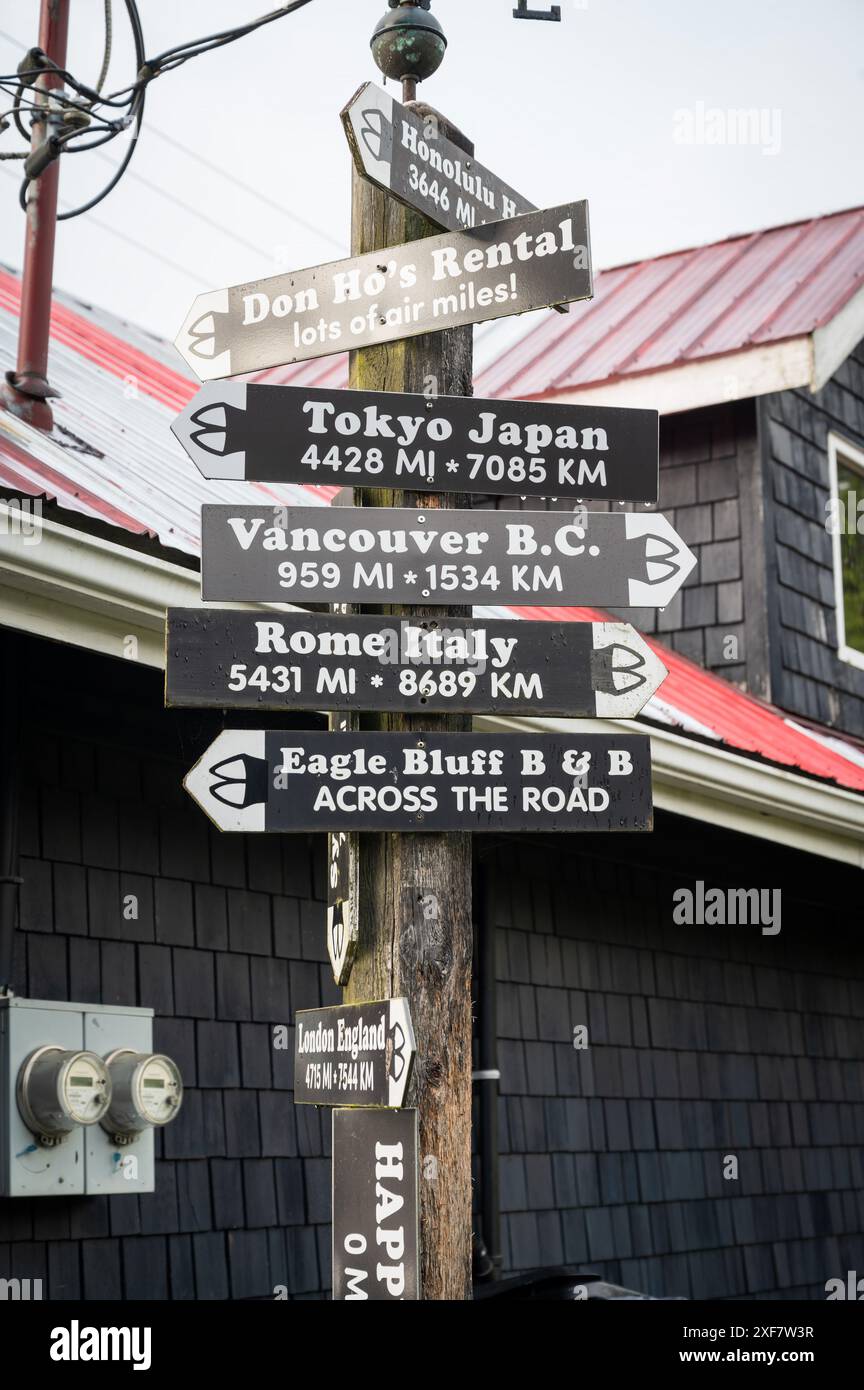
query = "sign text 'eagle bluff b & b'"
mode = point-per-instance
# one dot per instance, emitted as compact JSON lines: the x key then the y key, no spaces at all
{"x":449,"y":281}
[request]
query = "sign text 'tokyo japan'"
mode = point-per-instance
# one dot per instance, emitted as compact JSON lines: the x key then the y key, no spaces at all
{"x":294,"y":434}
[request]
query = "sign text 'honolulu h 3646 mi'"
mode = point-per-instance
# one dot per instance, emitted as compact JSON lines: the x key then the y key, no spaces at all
{"x":296,"y":434}
{"x":406,"y":154}
{"x":315,"y":554}
{"x":424,"y":286}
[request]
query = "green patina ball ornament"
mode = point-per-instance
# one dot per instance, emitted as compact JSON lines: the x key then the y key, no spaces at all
{"x":408,"y":41}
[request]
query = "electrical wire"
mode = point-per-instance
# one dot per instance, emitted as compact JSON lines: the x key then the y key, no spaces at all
{"x":106,"y":57}
{"x":190,"y":153}
{"x":246,"y":187}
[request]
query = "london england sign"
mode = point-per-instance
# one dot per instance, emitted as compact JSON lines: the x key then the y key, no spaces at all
{"x":266,"y":660}
{"x":425,"y":286}
{"x":313,"y":554}
{"x":294,"y":434}
{"x":353,"y":1054}
{"x":254,"y":780}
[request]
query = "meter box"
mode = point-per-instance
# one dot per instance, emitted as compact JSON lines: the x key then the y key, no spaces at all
{"x":146,"y":1093}
{"x":81,"y":1094}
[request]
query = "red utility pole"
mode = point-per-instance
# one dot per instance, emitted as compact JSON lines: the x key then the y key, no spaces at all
{"x":26,"y":389}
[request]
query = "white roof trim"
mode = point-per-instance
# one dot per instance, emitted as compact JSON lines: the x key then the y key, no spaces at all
{"x":833,"y":342}
{"x":76,"y":588}
{"x":738,"y":793}
{"x":737,"y":376}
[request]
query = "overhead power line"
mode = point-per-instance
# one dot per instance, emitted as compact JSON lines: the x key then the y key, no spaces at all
{"x":222,"y":172}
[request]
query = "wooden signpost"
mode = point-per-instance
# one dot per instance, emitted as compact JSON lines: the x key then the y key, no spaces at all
{"x":266,"y":660}
{"x":393,"y":293}
{"x":401,"y":796}
{"x":295,"y":434}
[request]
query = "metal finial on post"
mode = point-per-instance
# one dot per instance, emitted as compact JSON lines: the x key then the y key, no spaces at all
{"x":408,"y":44}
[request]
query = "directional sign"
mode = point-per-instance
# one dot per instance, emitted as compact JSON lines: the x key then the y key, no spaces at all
{"x":343,"y":928}
{"x":263,"y":660}
{"x":407,"y":155}
{"x":353,"y":1054}
{"x":295,"y":434}
{"x":423,"y":286}
{"x":372,"y":555}
{"x":376,"y":1232}
{"x":253,"y":780}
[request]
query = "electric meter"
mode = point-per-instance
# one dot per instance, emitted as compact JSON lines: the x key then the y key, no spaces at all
{"x":147,"y":1090}
{"x":58,"y":1090}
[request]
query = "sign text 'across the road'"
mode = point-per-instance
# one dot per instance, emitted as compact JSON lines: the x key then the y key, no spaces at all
{"x":265,"y":660}
{"x":314,"y":554}
{"x":288,"y":780}
{"x":295,"y":434}
{"x":424,"y":286}
{"x":353,"y":1054}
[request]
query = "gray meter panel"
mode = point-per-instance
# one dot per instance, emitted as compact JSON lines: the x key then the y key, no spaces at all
{"x":27,"y":1168}
{"x":119,"y":1167}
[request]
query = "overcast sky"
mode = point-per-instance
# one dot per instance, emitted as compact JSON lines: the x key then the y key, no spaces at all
{"x":591,"y":107}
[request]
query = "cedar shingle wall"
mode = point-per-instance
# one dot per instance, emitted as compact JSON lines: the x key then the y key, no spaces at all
{"x":809,"y":677}
{"x":229,"y":940}
{"x":703,"y":1042}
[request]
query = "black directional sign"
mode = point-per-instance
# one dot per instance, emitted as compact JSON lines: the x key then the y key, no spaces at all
{"x":423,"y":286}
{"x":406,"y":154}
{"x":288,"y":780}
{"x":376,"y":1235}
{"x":370,"y":555}
{"x":353,"y":1054}
{"x":264,"y":660}
{"x":295,"y":434}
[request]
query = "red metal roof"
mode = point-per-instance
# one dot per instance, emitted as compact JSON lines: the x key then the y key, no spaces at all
{"x":113,"y":455}
{"x":701,"y":702}
{"x":690,"y":305}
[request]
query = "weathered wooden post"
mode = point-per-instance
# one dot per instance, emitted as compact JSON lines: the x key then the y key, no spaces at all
{"x":415,"y":889}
